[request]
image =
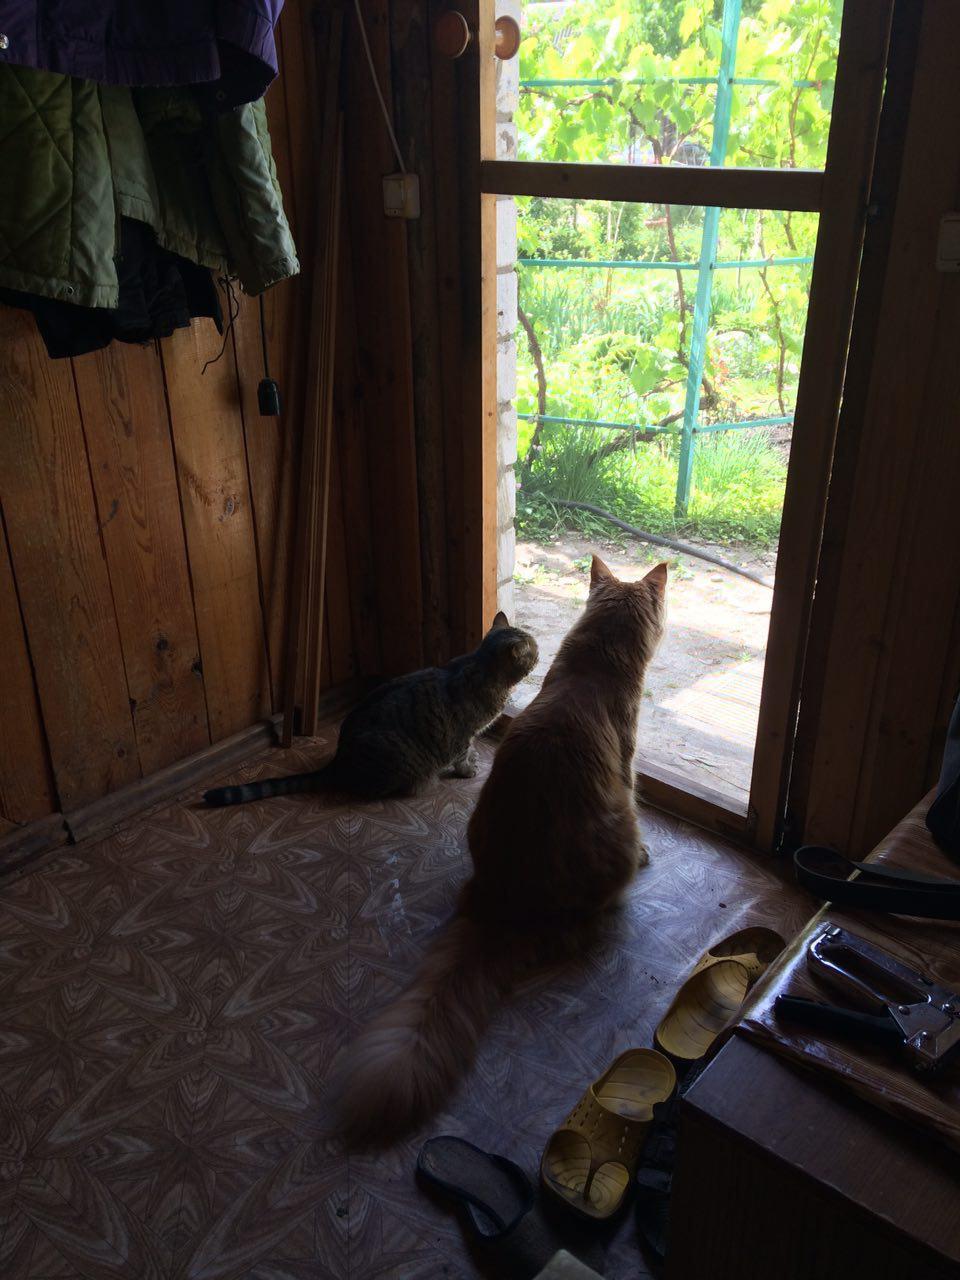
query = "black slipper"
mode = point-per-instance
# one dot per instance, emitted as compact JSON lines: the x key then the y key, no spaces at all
{"x":500,"y":1203}
{"x":496,"y":1192}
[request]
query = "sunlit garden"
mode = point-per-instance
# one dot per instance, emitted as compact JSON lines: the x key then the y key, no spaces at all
{"x":657,"y":340}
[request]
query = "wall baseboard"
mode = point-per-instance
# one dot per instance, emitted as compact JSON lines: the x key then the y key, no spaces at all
{"x":22,"y":850}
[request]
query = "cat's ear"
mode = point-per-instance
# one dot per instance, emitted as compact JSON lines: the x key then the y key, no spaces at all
{"x":657,"y":577}
{"x":599,"y":572}
{"x":500,"y":621}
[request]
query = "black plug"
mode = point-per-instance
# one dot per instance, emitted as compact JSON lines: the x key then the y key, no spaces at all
{"x":268,"y":398}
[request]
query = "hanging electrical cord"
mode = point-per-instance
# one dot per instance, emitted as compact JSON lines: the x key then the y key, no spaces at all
{"x":233,"y":310}
{"x":268,"y":393}
{"x":376,"y":85}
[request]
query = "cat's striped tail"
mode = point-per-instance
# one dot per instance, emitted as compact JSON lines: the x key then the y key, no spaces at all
{"x":244,"y":792}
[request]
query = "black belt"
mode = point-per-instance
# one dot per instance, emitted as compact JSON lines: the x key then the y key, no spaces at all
{"x":876,"y":887}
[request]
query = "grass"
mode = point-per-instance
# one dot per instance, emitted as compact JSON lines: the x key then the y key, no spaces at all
{"x":736,"y":496}
{"x":609,"y":348}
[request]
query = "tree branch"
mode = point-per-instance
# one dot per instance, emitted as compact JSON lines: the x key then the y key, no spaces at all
{"x":778,"y":323}
{"x":536,"y":351}
{"x":681,"y":295}
{"x":656,"y":540}
{"x":628,"y":438}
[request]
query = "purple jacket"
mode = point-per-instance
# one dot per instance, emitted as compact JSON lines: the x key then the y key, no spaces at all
{"x":225,"y":45}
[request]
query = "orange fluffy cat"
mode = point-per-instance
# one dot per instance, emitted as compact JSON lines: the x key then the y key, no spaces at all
{"x":554,"y":841}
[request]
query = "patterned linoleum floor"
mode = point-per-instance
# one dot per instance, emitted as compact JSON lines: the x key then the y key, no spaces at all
{"x":172,"y":997}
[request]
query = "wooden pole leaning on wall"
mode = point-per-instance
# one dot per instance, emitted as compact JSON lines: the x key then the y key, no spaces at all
{"x":326,"y":328}
{"x":304,"y":639}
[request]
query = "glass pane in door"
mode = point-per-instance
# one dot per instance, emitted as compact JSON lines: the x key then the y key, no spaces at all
{"x":693,"y":82}
{"x":616,"y":304}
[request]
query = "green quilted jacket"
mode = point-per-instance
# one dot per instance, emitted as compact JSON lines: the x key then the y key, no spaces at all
{"x":75,"y":156}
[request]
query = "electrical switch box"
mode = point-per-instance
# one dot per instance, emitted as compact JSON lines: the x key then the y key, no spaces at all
{"x":401,"y":195}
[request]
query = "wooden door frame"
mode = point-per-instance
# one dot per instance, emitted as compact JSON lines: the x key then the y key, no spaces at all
{"x":883,"y":661}
{"x":478,"y":238}
{"x":840,"y":196}
{"x":861,"y":69}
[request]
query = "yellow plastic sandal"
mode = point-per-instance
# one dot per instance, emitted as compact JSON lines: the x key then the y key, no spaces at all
{"x":755,"y":948}
{"x":707,"y":1002}
{"x":590,"y":1160}
{"x":711,"y":997}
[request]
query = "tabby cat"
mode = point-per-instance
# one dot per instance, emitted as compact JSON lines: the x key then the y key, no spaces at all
{"x":414,"y":728}
{"x":554,"y":840}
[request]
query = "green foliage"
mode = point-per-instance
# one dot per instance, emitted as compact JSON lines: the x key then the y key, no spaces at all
{"x":646,"y":50}
{"x":737,"y":495}
{"x":615,"y":342}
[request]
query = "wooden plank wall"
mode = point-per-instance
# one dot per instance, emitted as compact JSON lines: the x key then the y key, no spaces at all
{"x":130,"y":575}
{"x":443,"y":131}
{"x":147,"y":508}
{"x":383,"y":353}
{"x":883,"y":666}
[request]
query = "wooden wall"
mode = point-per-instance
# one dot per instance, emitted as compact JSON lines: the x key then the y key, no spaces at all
{"x":147,"y":508}
{"x":133,"y":590}
{"x":136,"y":563}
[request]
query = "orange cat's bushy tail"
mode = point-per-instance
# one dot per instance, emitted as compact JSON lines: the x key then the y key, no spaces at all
{"x":404,"y":1064}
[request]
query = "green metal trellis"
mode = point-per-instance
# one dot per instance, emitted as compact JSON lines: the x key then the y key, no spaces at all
{"x":734,"y":264}
{"x":616,"y":81}
{"x":655,"y":427}
{"x":705,"y":266}
{"x":708,"y":253}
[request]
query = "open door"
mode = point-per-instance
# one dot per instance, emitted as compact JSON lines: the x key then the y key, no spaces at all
{"x":671,"y":158}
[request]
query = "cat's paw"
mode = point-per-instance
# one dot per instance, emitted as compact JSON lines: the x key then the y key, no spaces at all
{"x":643,"y":854}
{"x":468,"y":766}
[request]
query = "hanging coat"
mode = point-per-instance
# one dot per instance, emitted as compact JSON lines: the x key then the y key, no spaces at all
{"x":77,"y":157}
{"x":159,"y":292}
{"x":226,"y":45}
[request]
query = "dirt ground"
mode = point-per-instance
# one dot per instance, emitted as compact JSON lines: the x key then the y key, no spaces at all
{"x":703,"y":687}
